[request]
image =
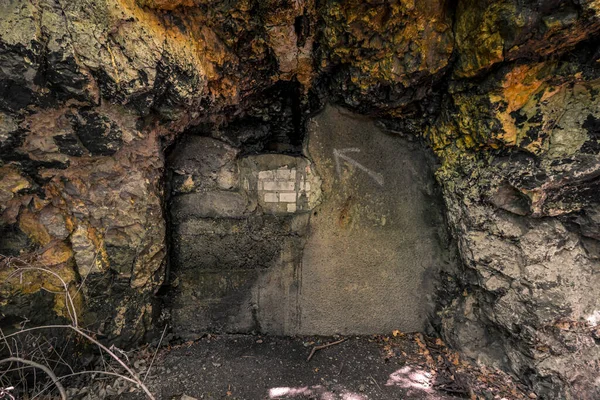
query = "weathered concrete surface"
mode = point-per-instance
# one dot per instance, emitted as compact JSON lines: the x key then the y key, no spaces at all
{"x":238,"y":231}
{"x":265,"y":255}
{"x":374,"y":253}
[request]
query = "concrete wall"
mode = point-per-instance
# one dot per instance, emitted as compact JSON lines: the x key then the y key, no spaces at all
{"x":374,"y":251}
{"x":344,"y":240}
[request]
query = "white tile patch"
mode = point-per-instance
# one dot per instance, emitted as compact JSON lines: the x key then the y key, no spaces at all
{"x":264,"y":175}
{"x":281,"y":188}
{"x":286,"y":174}
{"x":271,"y":198}
{"x":287,"y":197}
{"x":285,"y":185}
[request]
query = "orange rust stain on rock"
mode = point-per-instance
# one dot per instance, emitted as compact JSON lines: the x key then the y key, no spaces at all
{"x":58,"y":253}
{"x":521,"y":84}
{"x":518,"y":87}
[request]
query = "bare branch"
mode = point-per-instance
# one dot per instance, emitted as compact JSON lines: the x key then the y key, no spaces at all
{"x":48,"y":371}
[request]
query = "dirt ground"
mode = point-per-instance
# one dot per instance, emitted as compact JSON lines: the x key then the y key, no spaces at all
{"x":238,"y":367}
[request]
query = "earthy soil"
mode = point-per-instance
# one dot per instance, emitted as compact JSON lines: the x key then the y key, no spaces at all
{"x":359,"y":368}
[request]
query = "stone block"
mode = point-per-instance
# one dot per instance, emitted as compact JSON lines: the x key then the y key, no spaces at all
{"x":215,"y":285}
{"x":252,"y":249}
{"x":201,"y":163}
{"x":213,"y":301}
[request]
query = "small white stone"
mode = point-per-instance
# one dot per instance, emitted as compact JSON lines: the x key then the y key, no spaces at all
{"x":291,"y":207}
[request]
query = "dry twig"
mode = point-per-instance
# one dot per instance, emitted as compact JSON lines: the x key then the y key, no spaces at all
{"x":156,"y":352}
{"x":72,"y":311}
{"x":323,"y":346}
{"x":48,"y":371}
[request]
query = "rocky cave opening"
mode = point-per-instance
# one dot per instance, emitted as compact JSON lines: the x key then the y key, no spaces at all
{"x":303,"y":222}
{"x":300,"y":167}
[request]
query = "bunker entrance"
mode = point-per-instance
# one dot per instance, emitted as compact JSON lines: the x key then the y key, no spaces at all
{"x":344,"y":235}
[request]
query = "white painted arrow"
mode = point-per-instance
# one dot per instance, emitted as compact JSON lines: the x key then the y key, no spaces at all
{"x":337,"y":154}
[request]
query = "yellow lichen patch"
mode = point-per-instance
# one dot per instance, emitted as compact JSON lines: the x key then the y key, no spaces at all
{"x":594,"y":5}
{"x":98,"y":241}
{"x":38,"y":203}
{"x":187,"y":185}
{"x":141,"y":273}
{"x":478,"y":37}
{"x":440,"y":136}
{"x":89,"y":250}
{"x":141,"y":33}
{"x":63,"y":307}
{"x":51,"y":271}
{"x":29,"y":224}
{"x":11,"y":180}
{"x":69,"y":223}
{"x":119,"y":319}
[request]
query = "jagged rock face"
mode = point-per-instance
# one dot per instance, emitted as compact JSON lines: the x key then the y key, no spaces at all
{"x":384,"y":55}
{"x":521,"y":186}
{"x":489,"y":32}
{"x":505,"y":92}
